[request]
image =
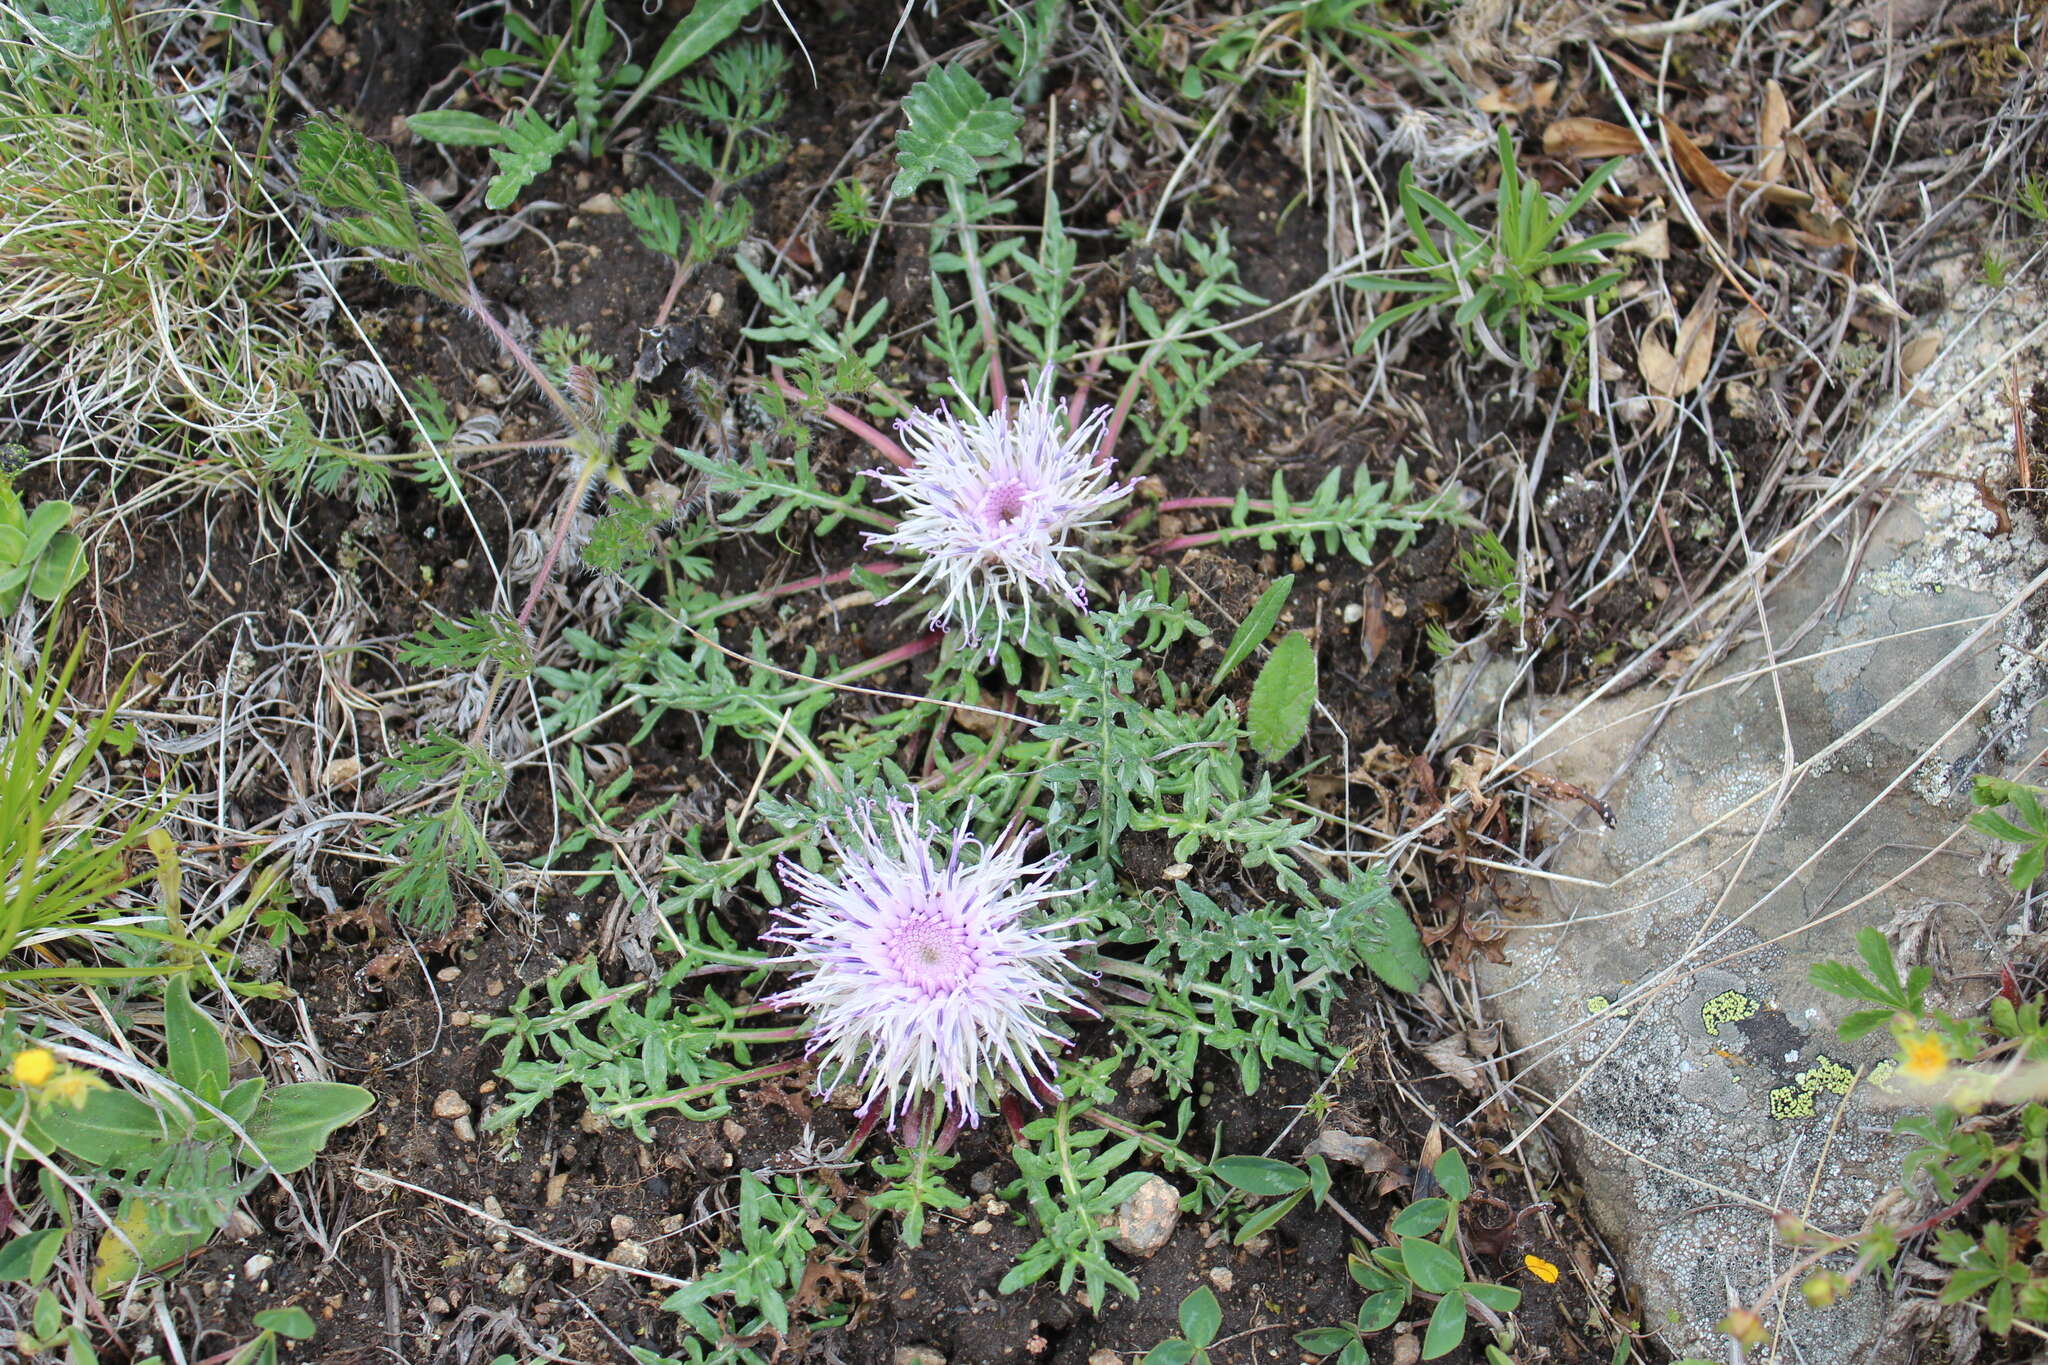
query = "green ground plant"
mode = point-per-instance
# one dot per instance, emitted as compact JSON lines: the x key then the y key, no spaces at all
{"x":601,"y":91}
{"x":1510,"y":283}
{"x":1426,"y":1259}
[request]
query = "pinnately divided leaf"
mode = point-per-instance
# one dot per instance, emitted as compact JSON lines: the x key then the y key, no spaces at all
{"x":1283,"y":698}
{"x":531,"y":146}
{"x":952,"y":129}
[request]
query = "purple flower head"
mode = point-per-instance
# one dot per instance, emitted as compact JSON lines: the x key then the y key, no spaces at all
{"x":991,"y":504}
{"x":927,"y":974}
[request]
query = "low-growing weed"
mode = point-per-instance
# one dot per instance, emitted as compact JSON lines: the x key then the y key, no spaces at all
{"x":1426,"y":1260}
{"x":1504,"y":284}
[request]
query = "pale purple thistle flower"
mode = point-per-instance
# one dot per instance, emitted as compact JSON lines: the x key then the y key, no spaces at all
{"x":928,"y":978}
{"x":991,"y":503}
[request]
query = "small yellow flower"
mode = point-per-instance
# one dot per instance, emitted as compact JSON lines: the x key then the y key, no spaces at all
{"x":33,"y":1067}
{"x":1541,"y":1269}
{"x":71,"y":1086}
{"x":50,"y":1081}
{"x":1923,"y":1057}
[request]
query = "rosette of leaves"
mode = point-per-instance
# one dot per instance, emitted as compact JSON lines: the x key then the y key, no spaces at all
{"x":38,"y":555}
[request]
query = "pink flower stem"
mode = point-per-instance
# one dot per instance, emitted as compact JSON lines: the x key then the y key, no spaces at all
{"x":1106,"y":452}
{"x":881,"y":567}
{"x":889,"y":658}
{"x":1078,"y":404}
{"x":839,"y":416}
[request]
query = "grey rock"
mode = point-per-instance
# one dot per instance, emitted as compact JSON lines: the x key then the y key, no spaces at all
{"x":1147,"y":1219}
{"x":1658,"y":995}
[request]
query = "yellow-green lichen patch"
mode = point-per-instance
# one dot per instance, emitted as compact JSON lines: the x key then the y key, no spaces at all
{"x":1600,"y":1004}
{"x":1726,"y":1008}
{"x":1792,"y":1102}
{"x":1826,"y":1074}
{"x":1881,"y":1075}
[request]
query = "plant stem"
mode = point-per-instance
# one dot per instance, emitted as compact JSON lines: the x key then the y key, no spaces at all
{"x":694,"y":1092}
{"x":881,"y":567}
{"x":977,"y":285}
{"x":839,"y":416}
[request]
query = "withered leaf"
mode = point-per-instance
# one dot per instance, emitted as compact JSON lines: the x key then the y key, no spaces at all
{"x":1917,"y":354}
{"x":1590,"y":138}
{"x":1706,"y":177}
{"x":1368,"y":1154}
{"x":1672,"y":373}
{"x":1774,"y":125}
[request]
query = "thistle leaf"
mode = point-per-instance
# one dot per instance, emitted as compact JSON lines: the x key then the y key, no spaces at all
{"x":531,"y":146}
{"x":952,"y":131}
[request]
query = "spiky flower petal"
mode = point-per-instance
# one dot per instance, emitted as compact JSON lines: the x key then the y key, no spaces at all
{"x":927,"y":971}
{"x":992,"y":504}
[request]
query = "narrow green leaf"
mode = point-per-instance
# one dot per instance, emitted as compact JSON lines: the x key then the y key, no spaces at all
{"x":28,"y":1258}
{"x":709,"y":23}
{"x":456,"y":128}
{"x":1446,"y":1327}
{"x":1450,"y":1173}
{"x":1258,"y":623}
{"x":1283,"y":698}
{"x":1259,"y":1175}
{"x":1267,"y":1217}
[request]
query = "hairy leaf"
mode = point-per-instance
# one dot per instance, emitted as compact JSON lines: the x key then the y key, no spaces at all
{"x":1283,"y":698}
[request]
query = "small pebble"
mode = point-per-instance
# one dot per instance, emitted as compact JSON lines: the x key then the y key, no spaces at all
{"x":448,"y":974}
{"x":917,"y":1355}
{"x":1147,"y":1219}
{"x":556,"y":1184}
{"x":982,"y":1228}
{"x":630,"y":1254}
{"x":1222,"y":1278}
{"x":253,"y":1268}
{"x":463,"y":1129}
{"x":1105,"y":1357}
{"x":622,"y":1227}
{"x":982,"y":1181}
{"x":450,"y":1105}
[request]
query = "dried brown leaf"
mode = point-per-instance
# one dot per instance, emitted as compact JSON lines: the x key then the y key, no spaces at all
{"x":1706,"y":177}
{"x":1590,"y":138}
{"x":1452,"y":1057}
{"x":1750,"y":330}
{"x":1774,"y":126}
{"x":1917,"y":354}
{"x":1368,"y":1154}
{"x":1652,"y":243}
{"x":1672,"y":372}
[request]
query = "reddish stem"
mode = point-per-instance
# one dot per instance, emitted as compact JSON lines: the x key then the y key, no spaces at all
{"x":881,"y":567}
{"x":887,"y":448}
{"x":889,"y":658}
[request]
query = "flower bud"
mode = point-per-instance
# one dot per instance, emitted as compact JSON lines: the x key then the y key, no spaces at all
{"x":1745,"y":1327}
{"x":1823,"y":1287}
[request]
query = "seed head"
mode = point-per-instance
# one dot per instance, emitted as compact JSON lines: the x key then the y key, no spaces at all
{"x":926,"y":973}
{"x":992,"y":504}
